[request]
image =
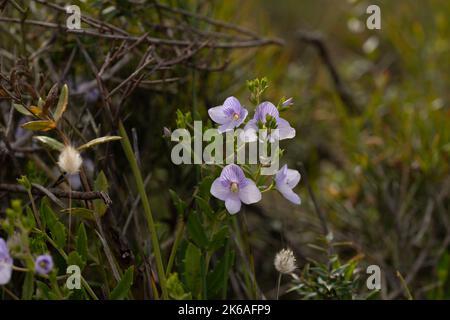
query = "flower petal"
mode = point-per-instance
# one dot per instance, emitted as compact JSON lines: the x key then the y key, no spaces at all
{"x":250,"y":131}
{"x":292,"y":178}
{"x":232,"y":103}
{"x":290,"y":195}
{"x":5,"y":271}
{"x":234,"y":173}
{"x":264,"y":109}
{"x":285,"y":131}
{"x":227,"y":126}
{"x":233,"y":204}
{"x":250,"y":193}
{"x":219,"y":190}
{"x":218,"y":115}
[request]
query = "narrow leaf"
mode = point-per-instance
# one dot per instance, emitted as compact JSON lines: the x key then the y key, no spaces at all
{"x":40,"y":125}
{"x":50,"y":142}
{"x":20,"y":108}
{"x":98,"y":141}
{"x":62,"y":103}
{"x":122,"y":288}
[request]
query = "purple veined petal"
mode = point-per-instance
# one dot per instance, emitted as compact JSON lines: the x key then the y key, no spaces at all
{"x":250,"y":193}
{"x":285,"y":129}
{"x":233,"y":173}
{"x":233,"y":204}
{"x":290,"y":195}
{"x":231,"y":103}
{"x":219,"y":189}
{"x":242,"y":115}
{"x":264,"y":109}
{"x":228,"y":126}
{"x":218,"y":115}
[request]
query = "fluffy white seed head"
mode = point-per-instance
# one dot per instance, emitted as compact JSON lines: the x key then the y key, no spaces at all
{"x":285,"y":261}
{"x":69,"y":160}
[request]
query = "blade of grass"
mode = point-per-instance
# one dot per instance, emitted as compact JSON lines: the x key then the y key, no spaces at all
{"x":146,"y":204}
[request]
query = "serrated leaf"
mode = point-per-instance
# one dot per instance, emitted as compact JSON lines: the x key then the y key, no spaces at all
{"x":124,"y":285}
{"x":218,"y":239}
{"x":50,"y":142}
{"x":62,"y":103}
{"x":192,"y":268}
{"x":196,"y":231}
{"x":74,"y":258}
{"x":39,"y":125}
{"x":100,"y":140}
{"x":175,"y":288}
{"x":20,"y":108}
{"x":82,"y":242}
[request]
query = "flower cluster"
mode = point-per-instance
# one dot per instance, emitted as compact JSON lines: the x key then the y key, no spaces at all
{"x":43,"y":264}
{"x":232,"y":186}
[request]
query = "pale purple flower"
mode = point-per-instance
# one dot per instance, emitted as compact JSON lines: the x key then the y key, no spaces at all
{"x":233,"y":187}
{"x":229,"y":115}
{"x":263,"y":112}
{"x":6,"y":263}
{"x":285,"y":180}
{"x":288,"y":102}
{"x":43,"y":264}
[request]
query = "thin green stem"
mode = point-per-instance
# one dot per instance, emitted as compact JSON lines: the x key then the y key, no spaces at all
{"x":146,"y":204}
{"x":176,"y":242}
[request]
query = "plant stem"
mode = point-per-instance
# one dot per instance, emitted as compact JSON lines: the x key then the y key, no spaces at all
{"x":146,"y":204}
{"x":176,"y":242}
{"x":278,"y":286}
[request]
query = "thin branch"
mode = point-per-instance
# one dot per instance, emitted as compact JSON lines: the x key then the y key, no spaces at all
{"x":91,"y":195}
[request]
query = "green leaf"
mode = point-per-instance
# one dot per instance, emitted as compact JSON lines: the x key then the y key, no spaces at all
{"x":195,"y":230}
{"x":81,"y":212}
{"x":28,"y":286}
{"x":122,"y":288}
{"x":179,"y":204}
{"x":58,"y":233}
{"x":48,"y":216}
{"x":82,"y":242}
{"x":216,"y":276}
{"x":74,"y":258}
{"x":39,"y":125}
{"x":98,"y":141}
{"x":50,"y":142}
{"x":62,"y":103}
{"x":218,"y":239}
{"x":175,"y":288}
{"x":192,"y":268}
{"x":20,"y":108}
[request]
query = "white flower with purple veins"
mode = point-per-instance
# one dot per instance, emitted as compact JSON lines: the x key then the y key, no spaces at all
{"x":285,"y":180}
{"x":233,"y":187}
{"x":267,"y":117}
{"x":6,"y":263}
{"x":229,"y":115}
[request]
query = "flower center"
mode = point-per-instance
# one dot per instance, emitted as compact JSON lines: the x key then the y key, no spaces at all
{"x":234,"y":187}
{"x":235,"y":116}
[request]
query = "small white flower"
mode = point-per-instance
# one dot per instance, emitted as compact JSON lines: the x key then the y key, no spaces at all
{"x":70,"y":160}
{"x":285,"y":261}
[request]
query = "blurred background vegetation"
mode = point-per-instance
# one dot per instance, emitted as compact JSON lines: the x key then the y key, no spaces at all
{"x":378,"y":162}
